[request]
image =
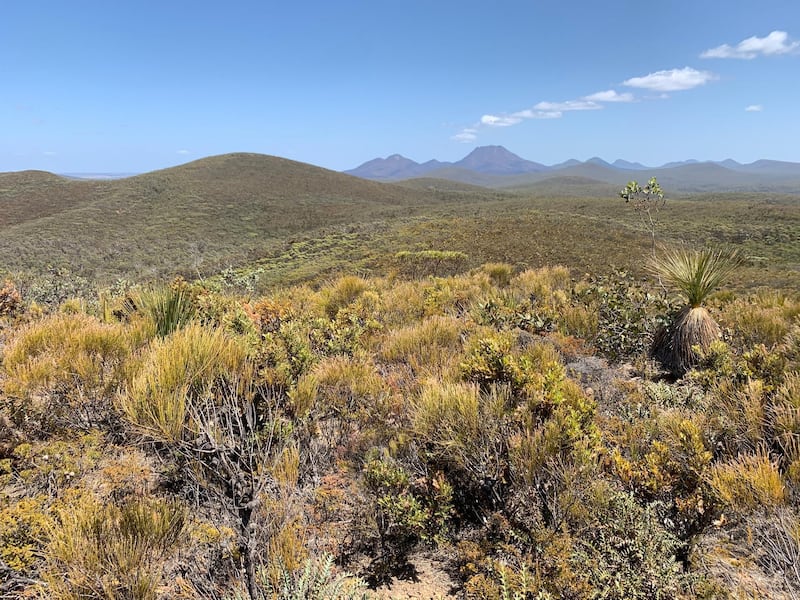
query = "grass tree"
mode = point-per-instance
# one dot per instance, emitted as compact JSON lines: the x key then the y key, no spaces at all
{"x":696,"y":274}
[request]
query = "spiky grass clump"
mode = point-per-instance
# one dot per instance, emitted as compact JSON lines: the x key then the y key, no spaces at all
{"x":695,"y":274}
{"x":170,"y":308}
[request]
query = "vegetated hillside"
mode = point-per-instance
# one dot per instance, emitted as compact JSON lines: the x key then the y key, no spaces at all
{"x":433,"y":183}
{"x":199,"y":216}
{"x":31,"y":195}
{"x":280,"y":222}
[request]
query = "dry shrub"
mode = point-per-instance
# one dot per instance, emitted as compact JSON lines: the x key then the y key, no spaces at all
{"x":748,"y":482}
{"x":341,"y":294}
{"x":285,"y":535}
{"x":500,"y":274}
{"x":345,"y":385}
{"x":352,"y":408}
{"x":177,"y":372}
{"x":753,"y":559}
{"x":10,"y":300}
{"x":454,"y":295}
{"x":465,"y":431}
{"x":579,"y":320}
{"x":764,"y":318}
{"x":424,"y":263}
{"x":541,"y":283}
{"x":303,"y":395}
{"x":427,"y":347}
{"x":790,"y":347}
{"x":111,"y":551}
{"x":63,"y":370}
{"x":783,"y":414}
{"x":738,"y":416}
{"x":403,"y":303}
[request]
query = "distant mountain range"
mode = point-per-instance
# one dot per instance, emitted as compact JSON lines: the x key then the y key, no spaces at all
{"x":497,"y":167}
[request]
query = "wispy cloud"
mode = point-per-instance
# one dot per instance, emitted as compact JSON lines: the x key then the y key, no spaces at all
{"x":49,"y":153}
{"x":499,"y":120}
{"x":466,"y":136}
{"x":609,"y":96}
{"x":183,"y":152}
{"x":774,"y":44}
{"x":754,"y":108}
{"x":664,"y":81}
{"x":529,"y":113}
{"x":672,"y":80}
{"x":567,"y":106}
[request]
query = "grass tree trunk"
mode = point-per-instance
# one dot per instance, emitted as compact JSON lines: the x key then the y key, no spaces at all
{"x":674,"y":346}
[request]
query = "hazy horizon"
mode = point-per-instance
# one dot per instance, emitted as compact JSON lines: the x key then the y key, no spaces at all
{"x":100,"y":88}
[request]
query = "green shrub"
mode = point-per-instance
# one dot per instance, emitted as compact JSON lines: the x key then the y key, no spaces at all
{"x":406,"y":511}
{"x":169,"y":307}
{"x":626,"y":554}
{"x":24,"y":527}
{"x":628,"y":314}
{"x":315,"y":580}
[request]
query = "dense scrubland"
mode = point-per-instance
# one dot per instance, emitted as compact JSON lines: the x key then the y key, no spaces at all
{"x":190,"y":442}
{"x":454,"y":377}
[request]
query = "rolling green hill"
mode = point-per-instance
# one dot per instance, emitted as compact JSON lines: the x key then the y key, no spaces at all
{"x":197,"y":217}
{"x":288,"y":222}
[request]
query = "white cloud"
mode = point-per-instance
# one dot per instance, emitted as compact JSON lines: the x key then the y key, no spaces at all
{"x":671,"y":80}
{"x":773,"y":44}
{"x":465,"y":137}
{"x":609,"y":96}
{"x":49,"y":153}
{"x":183,"y":152}
{"x":568,"y":105}
{"x":754,"y":108}
{"x":538,"y":114}
{"x":499,"y":121}
{"x":542,"y":110}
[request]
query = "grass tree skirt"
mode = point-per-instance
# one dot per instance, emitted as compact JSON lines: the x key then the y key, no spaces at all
{"x":674,"y":345}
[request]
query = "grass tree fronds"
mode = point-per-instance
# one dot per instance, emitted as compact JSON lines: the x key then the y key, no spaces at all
{"x":696,"y":273}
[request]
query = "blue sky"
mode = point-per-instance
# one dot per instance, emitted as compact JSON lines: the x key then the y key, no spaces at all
{"x":90,"y":86}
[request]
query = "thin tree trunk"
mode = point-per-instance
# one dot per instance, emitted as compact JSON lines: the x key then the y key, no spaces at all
{"x":246,"y":548}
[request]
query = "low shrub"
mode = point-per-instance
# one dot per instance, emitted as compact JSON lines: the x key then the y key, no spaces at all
{"x":185,"y":369}
{"x":63,"y":370}
{"x":748,"y":482}
{"x":427,"y":347}
{"x":341,"y":294}
{"x":111,"y":551}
